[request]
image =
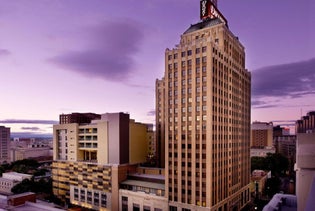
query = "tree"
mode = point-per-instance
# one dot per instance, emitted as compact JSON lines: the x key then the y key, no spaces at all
{"x":276,"y":163}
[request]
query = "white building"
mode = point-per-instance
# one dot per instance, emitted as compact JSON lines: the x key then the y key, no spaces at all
{"x":10,"y":179}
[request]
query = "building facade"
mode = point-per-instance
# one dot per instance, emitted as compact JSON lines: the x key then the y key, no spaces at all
{"x":4,"y":144}
{"x":203,"y":117}
{"x":261,"y":134}
{"x":10,"y":179}
{"x":306,"y":123}
{"x":91,"y":159}
{"x":305,"y":171}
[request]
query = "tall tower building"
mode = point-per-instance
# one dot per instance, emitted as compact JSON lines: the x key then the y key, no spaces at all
{"x":203,"y":117}
{"x":4,"y":143}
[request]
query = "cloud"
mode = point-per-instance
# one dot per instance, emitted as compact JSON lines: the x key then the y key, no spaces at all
{"x":4,"y":52}
{"x":291,"y":80}
{"x":151,"y":113}
{"x":31,"y":128}
{"x":24,"y":121}
{"x":110,"y":54}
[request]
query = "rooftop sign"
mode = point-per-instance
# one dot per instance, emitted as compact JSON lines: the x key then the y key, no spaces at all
{"x":209,"y":10}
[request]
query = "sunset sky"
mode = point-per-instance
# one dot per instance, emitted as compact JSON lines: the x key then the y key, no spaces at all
{"x":64,"y":56}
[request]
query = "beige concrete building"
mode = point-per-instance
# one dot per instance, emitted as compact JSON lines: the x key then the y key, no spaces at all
{"x":143,"y":190}
{"x":261,"y":134}
{"x":305,"y":171}
{"x":91,"y":159}
{"x":203,"y":118}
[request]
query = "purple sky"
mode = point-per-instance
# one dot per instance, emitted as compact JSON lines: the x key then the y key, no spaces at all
{"x":104,"y":56}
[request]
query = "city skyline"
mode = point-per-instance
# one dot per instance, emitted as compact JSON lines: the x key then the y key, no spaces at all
{"x":73,"y":64}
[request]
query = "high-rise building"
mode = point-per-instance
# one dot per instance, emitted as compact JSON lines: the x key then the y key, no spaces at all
{"x":305,"y":166}
{"x":92,"y":158}
{"x":306,"y":124}
{"x":203,"y":117}
{"x":4,"y":143}
{"x":261,"y":134}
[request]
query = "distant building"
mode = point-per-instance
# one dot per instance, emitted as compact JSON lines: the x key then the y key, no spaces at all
{"x":92,"y":158}
{"x":30,"y":149}
{"x":10,"y":179}
{"x":261,"y":134}
{"x":280,"y":131}
{"x":4,"y":144}
{"x":262,"y":152}
{"x":306,"y":123}
{"x":258,"y":181}
{"x":79,"y":118}
{"x":286,"y":145}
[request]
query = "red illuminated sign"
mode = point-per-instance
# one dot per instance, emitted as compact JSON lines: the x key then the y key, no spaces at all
{"x":209,"y":10}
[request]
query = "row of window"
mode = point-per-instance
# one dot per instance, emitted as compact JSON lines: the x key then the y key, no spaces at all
{"x":198,"y":61}
{"x":188,"y":53}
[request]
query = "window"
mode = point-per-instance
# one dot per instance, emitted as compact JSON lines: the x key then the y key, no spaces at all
{"x":169,"y":57}
{"x":175,"y":56}
{"x":124,"y":201}
{"x":204,"y":69}
{"x":189,"y":52}
{"x":197,"y":60}
{"x":183,"y":63}
{"x":146,"y":208}
{"x":204,"y":49}
{"x":204,"y":59}
{"x":135,"y":207}
{"x":172,"y":208}
{"x":197,"y":50}
{"x":183,"y":54}
{"x":189,"y":62}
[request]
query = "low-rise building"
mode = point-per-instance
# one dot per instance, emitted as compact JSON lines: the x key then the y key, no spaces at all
{"x":262,"y":152}
{"x":143,"y":190}
{"x":10,"y":179}
{"x":258,"y":181}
